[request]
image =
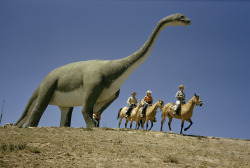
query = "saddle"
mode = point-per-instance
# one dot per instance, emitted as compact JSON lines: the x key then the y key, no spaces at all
{"x":128,"y":113}
{"x":173,"y":105}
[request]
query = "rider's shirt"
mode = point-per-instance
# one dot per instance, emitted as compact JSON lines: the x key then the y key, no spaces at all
{"x":180,"y":95}
{"x":97,"y":115}
{"x":131,"y":101}
{"x":148,"y":99}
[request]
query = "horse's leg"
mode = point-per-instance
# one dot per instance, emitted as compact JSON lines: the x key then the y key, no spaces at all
{"x":147,"y":124}
{"x":142,"y":123}
{"x":131,"y":122}
{"x":169,"y":124}
{"x":137,"y":124}
{"x":152,"y":123}
{"x":182,"y":124}
{"x":190,"y":121}
{"x":120,"y":121}
{"x":126,"y":123}
{"x":162,"y":121}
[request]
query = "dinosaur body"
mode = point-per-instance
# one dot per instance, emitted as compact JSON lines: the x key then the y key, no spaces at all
{"x":92,"y":84}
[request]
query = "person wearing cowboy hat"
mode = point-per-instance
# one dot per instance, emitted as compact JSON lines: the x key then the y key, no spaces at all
{"x":132,"y":102}
{"x":180,"y":99}
{"x":148,"y":100}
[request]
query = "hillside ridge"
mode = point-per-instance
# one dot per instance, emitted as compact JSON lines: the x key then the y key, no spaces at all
{"x":117,"y":147}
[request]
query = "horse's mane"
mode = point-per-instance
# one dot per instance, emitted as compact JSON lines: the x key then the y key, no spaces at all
{"x":189,"y":101}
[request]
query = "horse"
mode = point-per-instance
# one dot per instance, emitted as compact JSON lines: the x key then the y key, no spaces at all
{"x":186,"y":112}
{"x":150,"y":114}
{"x":133,"y":114}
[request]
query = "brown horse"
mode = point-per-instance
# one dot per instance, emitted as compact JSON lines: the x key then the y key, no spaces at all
{"x":186,"y":112}
{"x":133,"y":114}
{"x":150,"y":114}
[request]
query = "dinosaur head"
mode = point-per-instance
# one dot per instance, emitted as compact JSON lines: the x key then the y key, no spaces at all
{"x":177,"y":19}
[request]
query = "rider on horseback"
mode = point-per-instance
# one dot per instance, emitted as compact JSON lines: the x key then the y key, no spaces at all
{"x":132,"y":101}
{"x":180,"y":99}
{"x":148,"y":100}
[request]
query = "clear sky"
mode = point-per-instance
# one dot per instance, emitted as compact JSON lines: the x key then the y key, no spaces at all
{"x":210,"y":57}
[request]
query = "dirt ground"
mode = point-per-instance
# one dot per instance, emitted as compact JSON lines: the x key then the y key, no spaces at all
{"x":108,"y":147}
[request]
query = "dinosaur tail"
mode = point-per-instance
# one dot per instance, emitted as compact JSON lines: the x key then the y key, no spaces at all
{"x":118,"y":115}
{"x":31,"y":103}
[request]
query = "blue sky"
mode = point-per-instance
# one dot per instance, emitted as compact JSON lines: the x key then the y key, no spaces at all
{"x":210,"y":57}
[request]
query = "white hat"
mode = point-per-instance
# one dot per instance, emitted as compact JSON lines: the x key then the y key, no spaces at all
{"x":149,"y":91}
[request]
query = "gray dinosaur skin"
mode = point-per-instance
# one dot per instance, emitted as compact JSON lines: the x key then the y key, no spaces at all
{"x":92,"y":84}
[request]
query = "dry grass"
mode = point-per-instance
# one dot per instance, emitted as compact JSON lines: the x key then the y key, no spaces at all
{"x":107,"y":147}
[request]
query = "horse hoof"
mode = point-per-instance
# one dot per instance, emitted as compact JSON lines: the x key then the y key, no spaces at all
{"x":170,"y":132}
{"x":185,"y":129}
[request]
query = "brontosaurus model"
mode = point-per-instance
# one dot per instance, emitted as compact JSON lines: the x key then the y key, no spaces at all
{"x":92,"y":84}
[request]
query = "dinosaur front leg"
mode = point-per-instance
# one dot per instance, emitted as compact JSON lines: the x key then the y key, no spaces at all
{"x":90,"y":98}
{"x":66,"y":113}
{"x":87,"y":112}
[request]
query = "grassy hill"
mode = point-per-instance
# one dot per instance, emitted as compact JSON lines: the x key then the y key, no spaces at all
{"x":107,"y":147}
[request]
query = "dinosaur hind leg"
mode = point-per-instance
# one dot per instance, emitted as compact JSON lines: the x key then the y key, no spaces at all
{"x":101,"y":106}
{"x":66,"y":113}
{"x":44,"y":96}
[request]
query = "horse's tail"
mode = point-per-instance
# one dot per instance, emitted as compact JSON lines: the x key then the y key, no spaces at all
{"x":118,"y":115}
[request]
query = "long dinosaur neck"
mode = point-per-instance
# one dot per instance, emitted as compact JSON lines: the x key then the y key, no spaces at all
{"x":125,"y":66}
{"x":135,"y":59}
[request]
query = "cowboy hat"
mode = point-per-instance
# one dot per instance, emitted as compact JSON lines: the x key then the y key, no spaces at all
{"x":181,"y":86}
{"x":133,"y":93}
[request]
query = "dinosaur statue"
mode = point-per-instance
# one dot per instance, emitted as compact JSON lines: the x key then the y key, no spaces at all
{"x":92,"y":84}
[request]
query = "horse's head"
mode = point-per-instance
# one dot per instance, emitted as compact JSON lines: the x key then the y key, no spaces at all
{"x":140,"y":103}
{"x":198,"y":101}
{"x":160,"y":104}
